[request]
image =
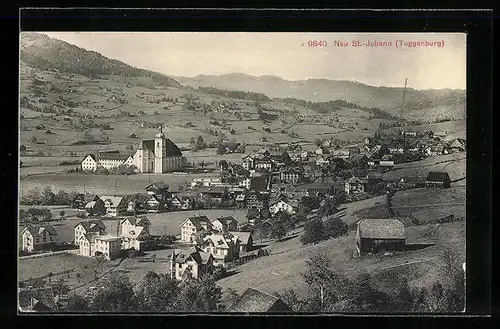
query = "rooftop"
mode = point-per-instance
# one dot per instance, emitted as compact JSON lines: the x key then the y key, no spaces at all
{"x":255,"y":301}
{"x":383,"y":228}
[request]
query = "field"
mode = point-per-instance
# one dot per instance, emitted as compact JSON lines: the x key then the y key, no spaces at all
{"x":424,"y":204}
{"x":282,"y":270}
{"x":164,"y":223}
{"x":454,"y":164}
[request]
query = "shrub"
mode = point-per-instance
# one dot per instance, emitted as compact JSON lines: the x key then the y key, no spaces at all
{"x":335,"y":227}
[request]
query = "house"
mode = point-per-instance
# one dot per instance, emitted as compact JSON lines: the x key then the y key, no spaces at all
{"x":396,"y":150}
{"x":134,"y":232}
{"x":341,"y":154}
{"x":256,"y":301}
{"x":248,"y":162}
{"x":264,"y":163}
{"x":366,"y":141}
{"x":193,"y":261}
{"x":115,"y":205}
{"x":106,"y":160}
{"x":206,"y":182}
{"x":380,"y":235}
{"x":304,"y":155}
{"x":440,"y":134}
{"x":81,"y":200}
{"x":318,"y":151}
{"x":240,"y":200}
{"x":223,"y":247}
{"x":321,"y":161}
{"x":282,"y":206}
{"x":409,"y":133}
{"x":194,"y":226}
{"x":154,"y":203}
{"x":246,"y":240}
{"x":291,"y":175}
{"x":94,"y":245}
{"x":257,"y":200}
{"x":89,"y":226}
{"x":354,"y":185}
{"x":438,"y":179}
{"x":95,"y":208}
{"x":176,"y":203}
{"x":224,"y":224}
{"x":157,"y":188}
{"x":37,"y":300}
{"x":457,"y":146}
{"x":39,"y":237}
{"x":244,"y":182}
{"x":215,"y":193}
{"x":132,"y":135}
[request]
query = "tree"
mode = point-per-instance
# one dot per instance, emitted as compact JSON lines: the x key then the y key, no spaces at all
{"x":116,"y":295}
{"x":232,"y":132}
{"x":277,"y":230}
{"x":313,"y":232}
{"x":78,"y":276}
{"x":229,"y":297}
{"x":318,"y":142}
{"x":157,"y":293}
{"x":60,"y":287}
{"x":328,"y":208}
{"x":221,"y":149}
{"x":77,"y":304}
{"x":223,"y":165}
{"x":366,"y":298}
{"x":199,"y":296}
{"x":62,"y":213}
{"x":335,"y":227}
{"x":48,"y":197}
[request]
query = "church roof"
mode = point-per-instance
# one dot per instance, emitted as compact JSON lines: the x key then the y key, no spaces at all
{"x":172,"y":149}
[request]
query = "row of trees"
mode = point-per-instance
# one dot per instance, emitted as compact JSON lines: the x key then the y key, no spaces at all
{"x":235,"y":94}
{"x":317,"y":230}
{"x":47,"y":197}
{"x":35,"y":215}
{"x":154,"y":293}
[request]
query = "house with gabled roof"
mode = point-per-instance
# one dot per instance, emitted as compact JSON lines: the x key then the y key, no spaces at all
{"x":256,"y":301}
{"x":95,"y":208}
{"x":194,"y":226}
{"x":89,"y":226}
{"x":134,"y":231}
{"x":115,"y":205}
{"x":94,"y":245}
{"x":224,"y":224}
{"x":193,"y":261}
{"x":81,"y":200}
{"x":438,"y":179}
{"x":380,"y":235}
{"x":223,"y":247}
{"x":246,"y":240}
{"x":283,"y":206}
{"x":39,"y":237}
{"x":354,"y":185}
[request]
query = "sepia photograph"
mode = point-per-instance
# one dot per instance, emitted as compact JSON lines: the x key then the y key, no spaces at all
{"x":242,"y":172}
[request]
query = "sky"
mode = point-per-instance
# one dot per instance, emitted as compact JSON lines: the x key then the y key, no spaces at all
{"x":288,"y":55}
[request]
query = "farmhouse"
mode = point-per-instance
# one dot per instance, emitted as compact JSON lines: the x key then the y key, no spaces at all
{"x":354,"y":185}
{"x":380,"y":235}
{"x":89,"y":226}
{"x":223,"y":247}
{"x":193,"y":226}
{"x":95,"y":208}
{"x":153,"y":203}
{"x":341,"y":154}
{"x":283,"y":206}
{"x":93,"y":245}
{"x":256,"y":301}
{"x":37,"y":237}
{"x":458,"y":145}
{"x":224,"y":224}
{"x":257,"y":200}
{"x":193,"y":261}
{"x":438,"y":179}
{"x":81,"y":200}
{"x":246,"y":240}
{"x":248,"y":162}
{"x":157,"y":188}
{"x":115,"y":205}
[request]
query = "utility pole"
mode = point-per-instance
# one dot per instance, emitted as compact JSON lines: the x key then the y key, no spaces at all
{"x":403,"y":102}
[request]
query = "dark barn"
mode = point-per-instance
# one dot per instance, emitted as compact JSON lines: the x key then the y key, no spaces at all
{"x":438,"y":179}
{"x":380,"y":235}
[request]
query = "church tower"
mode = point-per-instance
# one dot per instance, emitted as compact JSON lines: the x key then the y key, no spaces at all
{"x":160,"y":151}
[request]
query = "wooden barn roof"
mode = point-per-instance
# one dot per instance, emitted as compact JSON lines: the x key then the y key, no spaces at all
{"x":382,"y":228}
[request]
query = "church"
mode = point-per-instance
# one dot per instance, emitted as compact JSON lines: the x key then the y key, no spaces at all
{"x":158,"y":155}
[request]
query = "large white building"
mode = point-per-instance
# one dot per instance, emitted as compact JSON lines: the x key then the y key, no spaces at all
{"x":158,"y":155}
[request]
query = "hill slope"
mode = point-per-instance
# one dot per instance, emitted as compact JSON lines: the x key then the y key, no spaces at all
{"x":423,"y":105}
{"x":40,"y":51}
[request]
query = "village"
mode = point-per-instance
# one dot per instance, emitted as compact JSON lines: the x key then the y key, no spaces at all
{"x":280,"y":191}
